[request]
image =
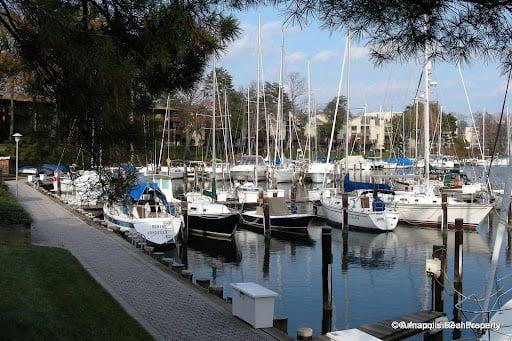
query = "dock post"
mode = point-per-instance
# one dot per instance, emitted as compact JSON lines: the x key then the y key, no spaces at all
{"x":59,"y":190}
{"x":326,"y":280}
{"x":305,"y":333}
{"x":266,"y":258}
{"x":184,"y":235}
{"x":344,"y":197}
{"x":293,"y":198}
{"x":266,"y":219}
{"x":509,"y":215}
{"x":457,"y":274}
{"x":195,"y":176}
{"x":444,"y":222}
{"x":344,"y":232}
{"x":439,"y":252}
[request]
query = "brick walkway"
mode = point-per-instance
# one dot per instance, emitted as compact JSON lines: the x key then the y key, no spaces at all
{"x":167,"y":308}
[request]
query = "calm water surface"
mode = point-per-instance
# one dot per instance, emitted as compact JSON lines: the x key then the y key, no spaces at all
{"x":375,"y":277}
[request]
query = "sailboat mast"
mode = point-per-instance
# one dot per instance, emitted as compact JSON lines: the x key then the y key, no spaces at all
{"x":347,"y":118}
{"x":280,"y":101}
{"x":416,"y":129}
{"x":309,"y":110}
{"x":426,"y":115}
{"x":214,"y":175}
{"x":483,"y":136}
{"x":440,"y":138}
{"x":381,"y":123}
{"x":364,"y":130}
{"x":257,"y":101}
{"x":249,"y":120}
{"x":290,"y":134}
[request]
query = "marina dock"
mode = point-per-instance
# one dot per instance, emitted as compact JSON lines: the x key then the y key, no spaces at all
{"x":165,"y":306}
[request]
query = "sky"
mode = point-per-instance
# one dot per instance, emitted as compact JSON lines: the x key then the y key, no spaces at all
{"x":392,"y":85}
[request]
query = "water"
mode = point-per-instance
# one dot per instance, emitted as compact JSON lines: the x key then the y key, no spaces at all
{"x":375,"y":277}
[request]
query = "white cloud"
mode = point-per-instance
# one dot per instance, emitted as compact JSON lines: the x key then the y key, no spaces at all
{"x":324,"y":56}
{"x":295,"y":57}
{"x":358,"y":52}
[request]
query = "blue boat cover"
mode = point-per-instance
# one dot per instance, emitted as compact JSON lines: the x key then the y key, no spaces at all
{"x":401,"y":161}
{"x":53,"y":167}
{"x":137,"y":191}
{"x":350,"y":186}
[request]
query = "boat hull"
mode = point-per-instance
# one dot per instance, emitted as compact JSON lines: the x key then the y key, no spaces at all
{"x":156,"y":231}
{"x":431,"y":215}
{"x":360,"y":219}
{"x":215,"y":226}
{"x":293,"y":225}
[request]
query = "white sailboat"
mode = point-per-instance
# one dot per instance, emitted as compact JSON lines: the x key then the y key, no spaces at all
{"x":422,"y":206}
{"x":145,"y":210}
{"x":206,"y":217}
{"x":364,"y":211}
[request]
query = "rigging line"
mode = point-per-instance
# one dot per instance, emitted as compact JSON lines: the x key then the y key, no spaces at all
{"x":69,"y":137}
{"x":499,"y":128}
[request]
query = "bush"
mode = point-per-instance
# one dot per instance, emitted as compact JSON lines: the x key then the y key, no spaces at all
{"x":11,"y":213}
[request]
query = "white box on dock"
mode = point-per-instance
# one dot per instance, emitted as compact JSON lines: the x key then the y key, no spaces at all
{"x":254,"y":304}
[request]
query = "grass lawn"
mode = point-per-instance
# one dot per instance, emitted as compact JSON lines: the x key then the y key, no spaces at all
{"x":45,"y":293}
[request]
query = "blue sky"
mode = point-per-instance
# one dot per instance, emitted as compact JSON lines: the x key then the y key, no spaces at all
{"x":392,"y":85}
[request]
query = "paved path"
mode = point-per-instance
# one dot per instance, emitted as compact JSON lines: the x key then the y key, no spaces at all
{"x":167,"y":308}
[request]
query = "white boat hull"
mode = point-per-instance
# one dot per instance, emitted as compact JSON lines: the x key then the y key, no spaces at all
{"x":283,"y":175}
{"x":378,"y":221}
{"x":157,"y":231}
{"x":431,"y":215}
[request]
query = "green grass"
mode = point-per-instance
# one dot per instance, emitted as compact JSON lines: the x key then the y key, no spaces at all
{"x":46,"y":294}
{"x":11,"y":213}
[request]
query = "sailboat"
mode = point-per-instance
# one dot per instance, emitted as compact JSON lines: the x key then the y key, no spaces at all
{"x":145,"y":210}
{"x":365,"y":211}
{"x":205,"y":216}
{"x":422,"y":206}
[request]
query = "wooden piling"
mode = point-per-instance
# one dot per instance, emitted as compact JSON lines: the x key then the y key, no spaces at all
{"x":344,"y":203}
{"x":185,"y":178}
{"x":184,"y":230}
{"x":187,"y":274}
{"x":293,"y":198}
{"x":457,"y":274}
{"x":216,"y":290}
{"x":304,"y":333}
{"x":281,"y":323}
{"x":326,"y":280}
{"x":203,"y":282}
{"x":439,"y":252}
{"x":177,"y":267}
{"x":266,"y":219}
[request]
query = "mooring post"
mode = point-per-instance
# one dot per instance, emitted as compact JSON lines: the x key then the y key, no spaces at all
{"x":184,"y":212}
{"x":344,"y":203}
{"x":195,"y":177}
{"x":293,"y":198}
{"x":266,"y":258}
{"x":185,"y":178}
{"x":266,"y":218}
{"x":326,"y":280}
{"x":444,"y":222}
{"x":439,"y":252}
{"x":457,"y":274}
{"x":57,"y":178}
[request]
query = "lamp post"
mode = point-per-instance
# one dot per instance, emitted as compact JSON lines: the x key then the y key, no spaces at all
{"x":17,"y":138}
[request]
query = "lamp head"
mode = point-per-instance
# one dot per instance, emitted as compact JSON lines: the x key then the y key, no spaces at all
{"x":17,"y":137}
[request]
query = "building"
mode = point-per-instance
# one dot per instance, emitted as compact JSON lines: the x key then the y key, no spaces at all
{"x":372,"y":129}
{"x":471,"y":135}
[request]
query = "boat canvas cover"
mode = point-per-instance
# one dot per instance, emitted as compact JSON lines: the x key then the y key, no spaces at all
{"x":350,"y":186}
{"x":401,"y":161}
{"x":53,"y":167}
{"x":136,"y":192}
{"x":278,"y":207}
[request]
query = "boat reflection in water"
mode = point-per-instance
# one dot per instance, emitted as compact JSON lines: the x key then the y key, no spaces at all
{"x":226,"y":251}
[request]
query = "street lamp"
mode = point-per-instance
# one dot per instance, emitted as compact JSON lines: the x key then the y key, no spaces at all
{"x":17,"y":138}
